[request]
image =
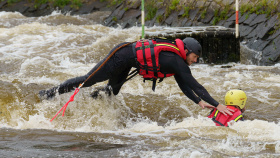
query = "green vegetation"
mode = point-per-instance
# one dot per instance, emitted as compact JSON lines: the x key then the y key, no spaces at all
{"x":203,"y":14}
{"x":187,"y":11}
{"x":12,"y":1}
{"x":159,"y":18}
{"x":55,"y":3}
{"x":223,"y":15}
{"x":76,"y":4}
{"x":115,"y":18}
{"x":174,"y":4}
{"x":262,"y":7}
{"x":172,"y":7}
{"x":216,"y":18}
{"x":150,"y":9}
{"x":59,"y":3}
{"x":114,"y":2}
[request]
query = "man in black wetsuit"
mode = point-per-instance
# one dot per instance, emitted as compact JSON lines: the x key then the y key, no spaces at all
{"x":117,"y":68}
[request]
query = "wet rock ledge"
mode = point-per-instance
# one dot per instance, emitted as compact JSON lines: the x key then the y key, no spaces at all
{"x":259,"y":20}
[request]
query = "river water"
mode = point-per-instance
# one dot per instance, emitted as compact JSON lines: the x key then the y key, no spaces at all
{"x":38,"y":53}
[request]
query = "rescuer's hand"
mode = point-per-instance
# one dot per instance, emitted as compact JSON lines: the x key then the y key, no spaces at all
{"x":205,"y":105}
{"x":223,"y":109}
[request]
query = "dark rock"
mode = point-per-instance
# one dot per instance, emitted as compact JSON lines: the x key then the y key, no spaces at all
{"x":181,"y":12}
{"x":184,"y":21}
{"x":193,"y":13}
{"x":214,"y":5}
{"x":243,"y":18}
{"x":23,"y":9}
{"x":274,"y":35}
{"x":171,"y":17}
{"x":160,"y":12}
{"x":256,"y":31}
{"x":108,"y":21}
{"x":3,"y":3}
{"x":249,"y":56}
{"x":125,"y":25}
{"x":271,"y":53}
{"x":121,"y":13}
{"x":131,"y":13}
{"x":250,"y":19}
{"x":245,"y":30}
{"x":111,"y":24}
{"x":228,"y":2}
{"x":199,"y":4}
{"x":189,"y":23}
{"x":258,"y":45}
{"x":201,"y":24}
{"x":98,"y":5}
{"x":233,"y":18}
{"x":209,"y":16}
{"x":86,"y":9}
{"x":136,"y":4}
{"x":67,"y":9}
{"x":175,"y":22}
{"x":259,"y":19}
{"x":268,"y":27}
{"x":44,"y":6}
{"x":229,"y":24}
{"x":32,"y":9}
{"x":221,"y":23}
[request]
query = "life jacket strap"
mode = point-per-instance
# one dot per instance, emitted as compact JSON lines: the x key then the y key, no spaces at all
{"x":155,"y":68}
{"x":144,"y":56}
{"x":215,"y":116}
{"x":238,"y":117}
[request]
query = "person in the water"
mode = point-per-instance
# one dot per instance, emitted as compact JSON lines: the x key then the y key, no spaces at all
{"x":235,"y":100}
{"x":153,"y":59}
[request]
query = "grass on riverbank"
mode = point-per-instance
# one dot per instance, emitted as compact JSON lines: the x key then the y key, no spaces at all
{"x":55,"y":3}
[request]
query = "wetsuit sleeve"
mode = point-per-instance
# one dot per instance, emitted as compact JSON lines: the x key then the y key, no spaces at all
{"x":186,"y":82}
{"x":188,"y":85}
{"x":186,"y":90}
{"x":173,"y":63}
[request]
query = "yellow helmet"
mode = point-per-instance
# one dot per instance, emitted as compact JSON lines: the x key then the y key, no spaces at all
{"x":236,"y":97}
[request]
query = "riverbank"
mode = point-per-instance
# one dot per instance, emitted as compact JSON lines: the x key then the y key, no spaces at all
{"x":259,"y":20}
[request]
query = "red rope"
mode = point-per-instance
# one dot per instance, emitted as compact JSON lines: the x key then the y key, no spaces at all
{"x":65,"y":106}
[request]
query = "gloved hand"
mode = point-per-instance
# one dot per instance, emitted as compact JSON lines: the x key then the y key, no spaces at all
{"x":47,"y":94}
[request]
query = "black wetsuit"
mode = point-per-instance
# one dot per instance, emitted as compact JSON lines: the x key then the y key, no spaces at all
{"x":118,"y":67}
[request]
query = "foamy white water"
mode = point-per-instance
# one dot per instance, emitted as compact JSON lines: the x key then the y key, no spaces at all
{"x":39,"y":53}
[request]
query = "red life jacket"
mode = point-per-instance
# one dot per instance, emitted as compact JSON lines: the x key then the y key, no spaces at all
{"x":222,"y":120}
{"x":147,"y":53}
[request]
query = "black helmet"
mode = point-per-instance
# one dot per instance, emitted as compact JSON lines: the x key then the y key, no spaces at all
{"x":192,"y":45}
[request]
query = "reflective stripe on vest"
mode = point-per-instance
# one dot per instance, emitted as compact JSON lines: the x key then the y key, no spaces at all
{"x":168,"y":45}
{"x":221,"y":124}
{"x":238,"y":118}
